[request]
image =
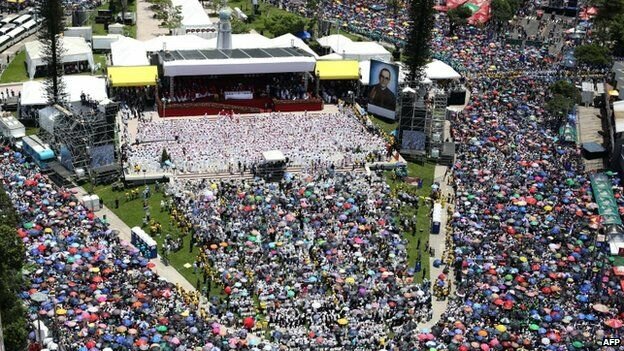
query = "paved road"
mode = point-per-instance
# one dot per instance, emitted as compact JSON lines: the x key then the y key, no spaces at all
{"x":147,"y":26}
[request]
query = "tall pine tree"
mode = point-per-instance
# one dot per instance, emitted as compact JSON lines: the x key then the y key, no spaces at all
{"x":51,"y":12}
{"x":418,"y":47}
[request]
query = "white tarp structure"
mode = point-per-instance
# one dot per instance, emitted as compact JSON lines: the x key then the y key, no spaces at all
{"x":239,"y":66}
{"x":47,"y":117}
{"x":129,"y":52}
{"x":273,"y":156}
{"x":11,"y":127}
{"x":195,"y":20}
{"x":332,"y":57}
{"x":618,"y":115}
{"x":33,"y":92}
{"x":352,"y":50}
{"x":438,"y":70}
{"x":288,"y":40}
{"x":76,"y":49}
{"x":177,"y":42}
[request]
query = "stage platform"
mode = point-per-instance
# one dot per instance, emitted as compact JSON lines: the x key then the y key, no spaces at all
{"x":259,"y":105}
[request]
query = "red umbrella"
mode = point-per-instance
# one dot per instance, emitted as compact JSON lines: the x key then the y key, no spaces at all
{"x":614,"y":323}
{"x":249,"y":322}
{"x":499,"y":302}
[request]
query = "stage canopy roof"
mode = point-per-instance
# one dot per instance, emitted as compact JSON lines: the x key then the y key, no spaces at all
{"x":134,"y":76}
{"x":129,"y":52}
{"x":237,"y":61}
{"x":33,"y":92}
{"x":338,"y":70}
{"x":75,"y":49}
{"x":273,"y":156}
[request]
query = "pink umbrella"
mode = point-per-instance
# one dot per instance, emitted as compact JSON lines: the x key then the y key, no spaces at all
{"x":175,"y":341}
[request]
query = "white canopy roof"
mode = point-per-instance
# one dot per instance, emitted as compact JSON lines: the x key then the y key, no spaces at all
{"x":273,"y":156}
{"x":437,"y":70}
{"x":193,"y":13}
{"x":178,"y":42}
{"x":288,"y":40}
{"x":129,"y":52}
{"x":33,"y":92}
{"x":76,"y":49}
{"x":239,"y":66}
{"x":618,"y":115}
{"x":355,"y":50}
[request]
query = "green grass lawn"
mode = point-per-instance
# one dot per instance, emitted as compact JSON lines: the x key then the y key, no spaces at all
{"x":131,"y":212}
{"x":101,"y":59}
{"x":16,"y":72}
{"x":98,"y":28}
{"x":32,"y":130}
{"x":266,"y":10}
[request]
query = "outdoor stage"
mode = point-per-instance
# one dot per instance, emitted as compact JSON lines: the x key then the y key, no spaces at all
{"x":260,"y":105}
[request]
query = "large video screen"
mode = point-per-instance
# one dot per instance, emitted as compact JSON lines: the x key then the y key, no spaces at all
{"x":384,"y":84}
{"x":413,"y":140}
{"x":102,"y":155}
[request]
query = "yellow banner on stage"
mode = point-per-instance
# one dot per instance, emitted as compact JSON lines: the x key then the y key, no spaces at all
{"x":132,"y":76}
{"x":338,"y":70}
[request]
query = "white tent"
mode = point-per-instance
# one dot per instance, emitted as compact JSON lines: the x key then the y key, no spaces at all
{"x":129,"y":52}
{"x":76,"y":49}
{"x":194,"y":19}
{"x":177,"y":42}
{"x":438,"y":70}
{"x":273,"y":156}
{"x":355,"y":50}
{"x":288,"y":40}
{"x":336,"y":42}
{"x":33,"y":92}
{"x":331,"y":57}
{"x":365,"y":50}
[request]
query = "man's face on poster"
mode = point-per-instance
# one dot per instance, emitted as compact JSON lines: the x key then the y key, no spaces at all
{"x":384,"y":78}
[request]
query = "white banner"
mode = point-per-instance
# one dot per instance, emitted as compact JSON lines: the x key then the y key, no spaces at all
{"x":238,"y":95}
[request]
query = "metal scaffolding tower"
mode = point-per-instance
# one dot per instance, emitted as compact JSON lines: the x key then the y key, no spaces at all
{"x":85,"y":140}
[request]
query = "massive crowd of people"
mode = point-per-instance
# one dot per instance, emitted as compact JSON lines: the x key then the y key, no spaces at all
{"x":317,"y":262}
{"x":232,"y":143}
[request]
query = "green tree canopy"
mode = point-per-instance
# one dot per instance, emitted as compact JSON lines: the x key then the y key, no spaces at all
{"x":283,"y":23}
{"x":53,"y":16}
{"x":502,"y":11}
{"x":593,"y":54}
{"x":458,"y":17}
{"x":418,"y":47}
{"x":566,"y":89}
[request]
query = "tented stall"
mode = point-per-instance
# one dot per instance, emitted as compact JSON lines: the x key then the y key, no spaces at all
{"x":195,"y":20}
{"x":438,"y":70}
{"x":33,"y":92}
{"x":129,"y":52}
{"x":135,"y":76}
{"x":76,"y":49}
{"x":338,"y":70}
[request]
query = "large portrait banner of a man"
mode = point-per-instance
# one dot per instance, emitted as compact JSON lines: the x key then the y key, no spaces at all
{"x":384,"y":82}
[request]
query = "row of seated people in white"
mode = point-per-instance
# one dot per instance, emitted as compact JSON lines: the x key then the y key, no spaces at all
{"x":302,"y":138}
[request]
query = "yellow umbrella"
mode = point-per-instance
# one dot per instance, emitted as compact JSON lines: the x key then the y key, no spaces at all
{"x":523,"y":259}
{"x":501,"y":328}
{"x":350,"y":280}
{"x":95,"y":270}
{"x":185,"y":313}
{"x":61,"y":312}
{"x":614,"y":92}
{"x":343,"y":321}
{"x":48,"y":230}
{"x":548,"y":208}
